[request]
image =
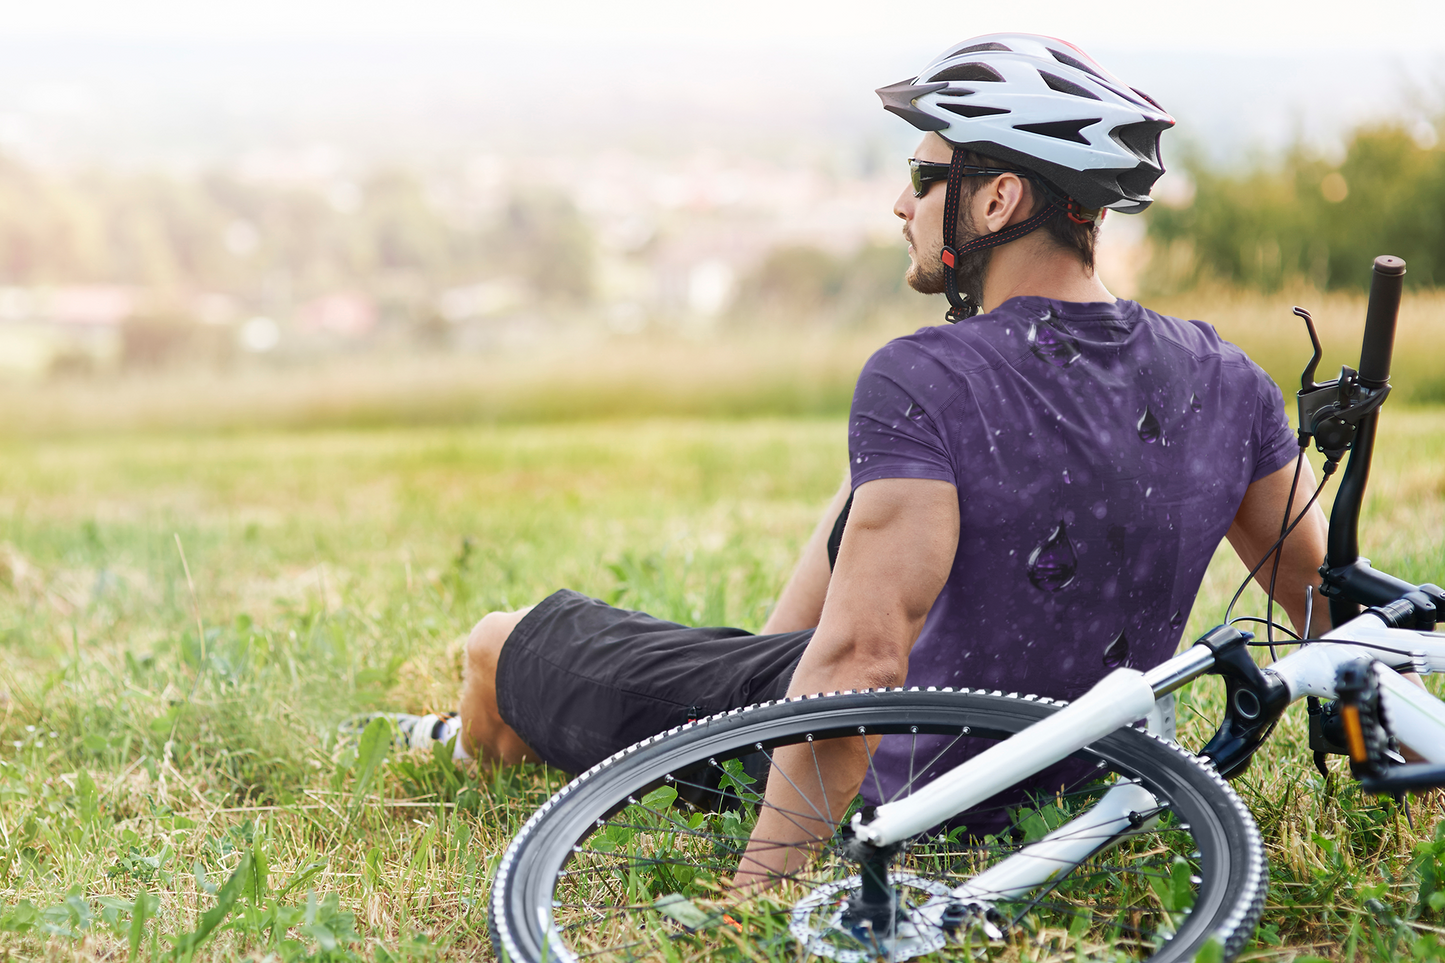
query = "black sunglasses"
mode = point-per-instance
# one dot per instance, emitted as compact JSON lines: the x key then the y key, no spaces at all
{"x":924,"y":173}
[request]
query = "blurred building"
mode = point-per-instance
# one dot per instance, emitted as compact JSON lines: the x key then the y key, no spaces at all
{"x":347,"y":314}
{"x":46,"y":329}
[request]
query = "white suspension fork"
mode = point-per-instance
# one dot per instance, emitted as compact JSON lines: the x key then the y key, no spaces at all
{"x":1125,"y":808}
{"x":1122,"y":697}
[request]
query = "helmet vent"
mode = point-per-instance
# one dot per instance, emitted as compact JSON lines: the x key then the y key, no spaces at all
{"x":977,"y":73}
{"x":972,"y":110}
{"x":1061,"y":129}
{"x":1067,"y":86}
{"x":1137,"y":182}
{"x":1142,"y":139}
{"x":978,"y":48}
{"x":1074,"y":62}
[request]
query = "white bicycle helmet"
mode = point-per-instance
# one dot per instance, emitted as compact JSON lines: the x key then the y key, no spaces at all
{"x":1044,"y":105}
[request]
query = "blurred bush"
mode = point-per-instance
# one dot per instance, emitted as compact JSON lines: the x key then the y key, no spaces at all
{"x":1305,"y":219}
{"x":159,"y":339}
{"x":543,"y":240}
{"x":798,"y":284}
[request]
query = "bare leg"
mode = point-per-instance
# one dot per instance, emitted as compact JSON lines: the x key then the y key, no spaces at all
{"x":484,"y":735}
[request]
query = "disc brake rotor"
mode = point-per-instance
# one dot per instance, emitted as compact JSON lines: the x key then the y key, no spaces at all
{"x":817,"y":922}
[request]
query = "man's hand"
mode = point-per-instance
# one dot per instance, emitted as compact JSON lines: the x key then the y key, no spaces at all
{"x":896,"y":554}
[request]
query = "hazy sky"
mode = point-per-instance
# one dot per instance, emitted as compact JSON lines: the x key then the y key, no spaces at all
{"x":1221,"y":26}
{"x":199,"y":81}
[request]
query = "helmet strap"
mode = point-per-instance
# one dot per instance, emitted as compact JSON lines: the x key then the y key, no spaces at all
{"x":961,"y":306}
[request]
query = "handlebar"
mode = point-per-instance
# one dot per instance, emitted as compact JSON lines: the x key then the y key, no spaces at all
{"x":1380,"y":316}
{"x":1341,"y":416}
{"x":1375,"y":353}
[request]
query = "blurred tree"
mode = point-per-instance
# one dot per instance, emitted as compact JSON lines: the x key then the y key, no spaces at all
{"x":542,"y":239}
{"x":158,"y":339}
{"x":1307,"y":219}
{"x":796,"y":280}
{"x":217,"y":232}
{"x":152,"y":341}
{"x":873,"y":279}
{"x":803,"y":284}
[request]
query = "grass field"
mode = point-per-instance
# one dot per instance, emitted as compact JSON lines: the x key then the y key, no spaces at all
{"x":804,"y":370}
{"x":186,"y":615}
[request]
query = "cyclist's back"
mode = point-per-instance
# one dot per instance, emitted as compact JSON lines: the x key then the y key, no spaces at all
{"x":1099,"y":451}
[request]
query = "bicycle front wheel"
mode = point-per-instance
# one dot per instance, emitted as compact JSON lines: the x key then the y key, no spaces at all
{"x":632,"y":859}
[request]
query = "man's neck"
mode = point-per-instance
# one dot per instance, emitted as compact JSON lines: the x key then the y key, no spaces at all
{"x":1033,"y":266}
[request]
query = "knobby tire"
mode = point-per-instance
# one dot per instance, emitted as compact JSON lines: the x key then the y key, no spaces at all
{"x":591,"y":873}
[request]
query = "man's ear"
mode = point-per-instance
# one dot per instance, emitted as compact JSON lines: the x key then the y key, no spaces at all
{"x":1006,"y":196}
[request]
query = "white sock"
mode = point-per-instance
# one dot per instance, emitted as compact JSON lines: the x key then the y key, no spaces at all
{"x":453,"y":727}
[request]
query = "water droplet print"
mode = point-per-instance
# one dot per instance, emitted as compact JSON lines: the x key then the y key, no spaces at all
{"x":914,"y":412}
{"x":1052,"y":563}
{"x":1116,"y":653}
{"x":1177,"y":619}
{"x":1150,"y":431}
{"x":1052,"y":345}
{"x":1194,"y":403}
{"x":1067,"y":479}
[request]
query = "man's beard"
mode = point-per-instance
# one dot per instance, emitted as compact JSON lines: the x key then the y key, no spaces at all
{"x":926,"y":275}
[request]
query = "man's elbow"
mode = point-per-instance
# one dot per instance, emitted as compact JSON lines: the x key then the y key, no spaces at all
{"x":879,"y":674}
{"x":869,"y":664}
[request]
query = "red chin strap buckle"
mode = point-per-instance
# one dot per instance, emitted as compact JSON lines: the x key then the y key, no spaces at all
{"x":948,"y":256}
{"x":1080,"y":214}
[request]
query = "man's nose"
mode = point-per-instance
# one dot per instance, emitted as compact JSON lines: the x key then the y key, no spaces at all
{"x":904,"y":206}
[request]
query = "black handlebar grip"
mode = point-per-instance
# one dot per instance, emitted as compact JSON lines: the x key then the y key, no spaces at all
{"x":1379,"y":345}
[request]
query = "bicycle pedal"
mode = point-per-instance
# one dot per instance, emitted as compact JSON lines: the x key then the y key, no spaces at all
{"x":1327,"y":734}
{"x":961,"y":917}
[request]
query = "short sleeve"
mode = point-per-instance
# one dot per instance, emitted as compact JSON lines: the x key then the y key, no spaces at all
{"x":1274,"y":439}
{"x":894,"y":428}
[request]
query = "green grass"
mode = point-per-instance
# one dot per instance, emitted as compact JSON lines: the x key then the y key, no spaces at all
{"x":168,"y":742}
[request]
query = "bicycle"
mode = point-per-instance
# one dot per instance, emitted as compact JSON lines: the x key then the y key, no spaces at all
{"x":1079,"y":832}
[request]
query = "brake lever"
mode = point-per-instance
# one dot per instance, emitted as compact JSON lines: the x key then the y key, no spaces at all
{"x":1307,"y":380}
{"x":1331,"y":411}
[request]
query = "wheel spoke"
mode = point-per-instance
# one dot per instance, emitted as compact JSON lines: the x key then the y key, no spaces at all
{"x":907,"y":787}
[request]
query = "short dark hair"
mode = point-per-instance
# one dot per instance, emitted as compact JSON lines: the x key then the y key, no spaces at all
{"x":1065,"y":232}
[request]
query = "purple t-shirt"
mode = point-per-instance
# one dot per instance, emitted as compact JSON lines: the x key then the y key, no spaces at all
{"x":1100,"y":453}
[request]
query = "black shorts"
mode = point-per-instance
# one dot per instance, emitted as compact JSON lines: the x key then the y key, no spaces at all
{"x":579,"y":680}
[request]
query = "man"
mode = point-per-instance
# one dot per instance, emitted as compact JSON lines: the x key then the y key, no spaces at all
{"x":1036,"y":489}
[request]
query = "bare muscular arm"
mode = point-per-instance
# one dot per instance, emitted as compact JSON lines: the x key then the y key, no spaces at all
{"x":896,"y":555}
{"x":1256,"y":527}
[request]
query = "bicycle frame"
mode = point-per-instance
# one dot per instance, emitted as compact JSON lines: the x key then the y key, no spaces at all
{"x":1125,"y":697}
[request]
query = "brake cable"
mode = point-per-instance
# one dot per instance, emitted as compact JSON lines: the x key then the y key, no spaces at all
{"x":1329,"y":470}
